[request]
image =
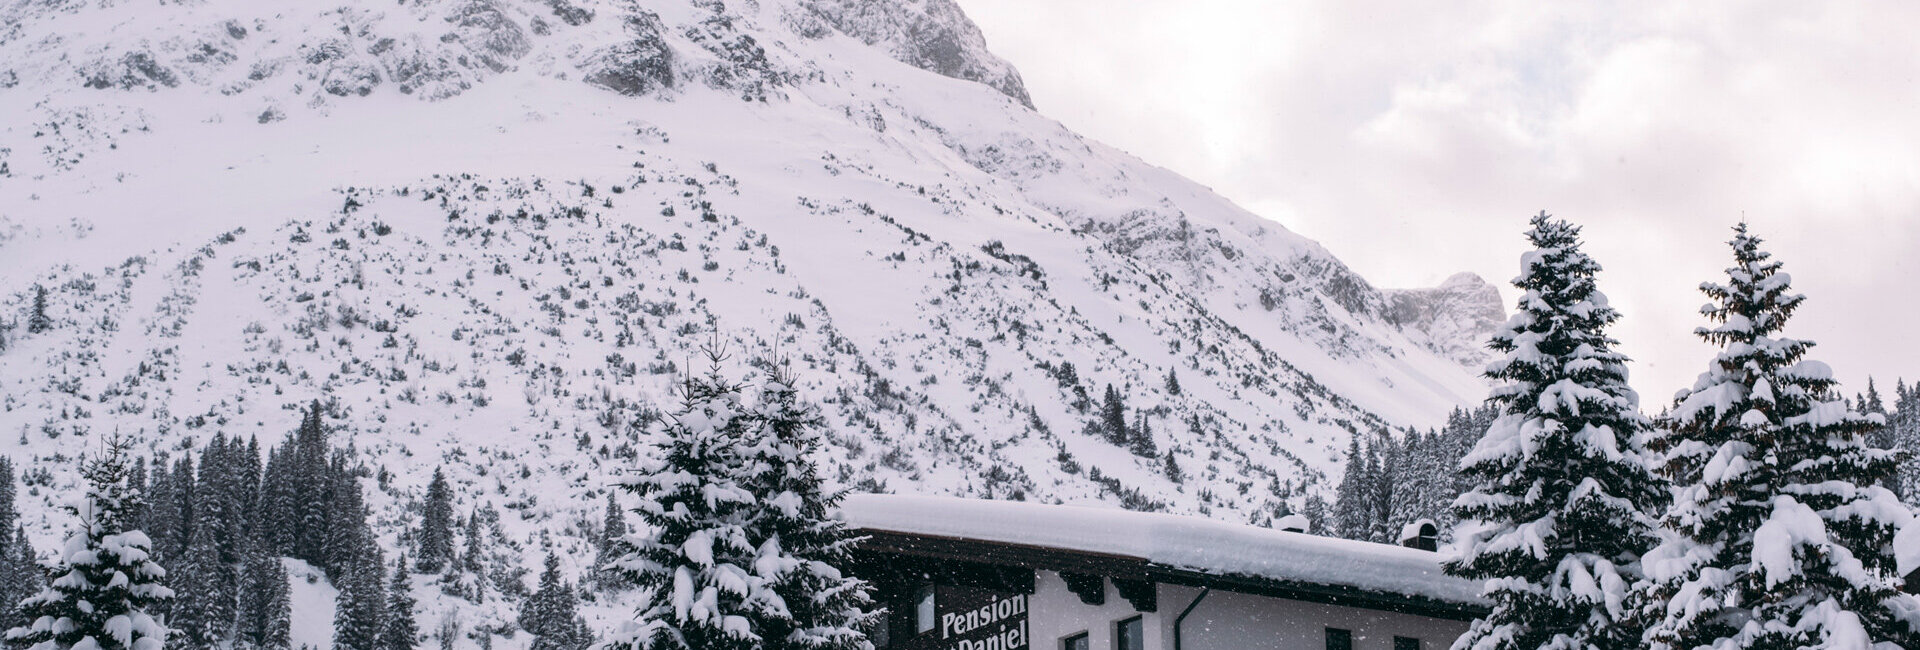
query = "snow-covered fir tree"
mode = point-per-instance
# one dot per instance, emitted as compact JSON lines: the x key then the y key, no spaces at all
{"x":402,"y":631}
{"x":436,"y":525}
{"x":203,"y":613}
{"x":19,"y":578}
{"x":170,"y":509}
{"x":1352,"y":512}
{"x":265,"y":617}
{"x":611,"y":544}
{"x":22,"y":578}
{"x":694,"y":559}
{"x":1905,"y":433}
{"x":37,"y":319}
{"x":552,"y":613}
{"x":204,"y":575}
{"x":106,"y":582}
{"x":1563,"y":504}
{"x":801,"y":546}
{"x":1140,"y":437}
{"x":359,"y":573}
{"x":1112,"y":424}
{"x":1780,"y":531}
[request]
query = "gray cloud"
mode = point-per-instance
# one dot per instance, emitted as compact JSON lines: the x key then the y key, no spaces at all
{"x":1413,"y":139}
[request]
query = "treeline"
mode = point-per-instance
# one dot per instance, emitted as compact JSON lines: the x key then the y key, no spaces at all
{"x":1389,"y":483}
{"x":737,"y":518}
{"x":218,"y":529}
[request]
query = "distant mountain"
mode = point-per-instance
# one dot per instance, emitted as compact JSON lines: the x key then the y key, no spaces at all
{"x":488,"y":234}
{"x":1457,"y":317}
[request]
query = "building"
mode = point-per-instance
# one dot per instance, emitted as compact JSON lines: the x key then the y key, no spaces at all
{"x":966,"y":574}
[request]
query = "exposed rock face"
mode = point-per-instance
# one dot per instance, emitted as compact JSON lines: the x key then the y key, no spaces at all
{"x":1456,"y":317}
{"x":638,"y":65}
{"x":932,"y":35}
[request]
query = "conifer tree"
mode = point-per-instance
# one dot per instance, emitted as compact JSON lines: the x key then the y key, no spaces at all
{"x":1906,"y":439}
{"x":313,"y":482}
{"x":696,"y":563}
{"x":1173,"y":382}
{"x":464,"y":576}
{"x":1780,"y":534}
{"x":360,"y":610}
{"x":1352,"y":510}
{"x":436,"y":525}
{"x":173,"y":517}
{"x":202,"y":614}
{"x":613,"y":545}
{"x":246,"y":477}
{"x":19,"y":578}
{"x":1140,"y":439}
{"x":345,"y":533}
{"x":1419,"y":485}
{"x":1381,"y":462}
{"x":809,"y":603}
{"x":9,"y":513}
{"x":37,"y":319}
{"x":1459,"y":436}
{"x":551,"y":614}
{"x":1113,"y":417}
{"x":402,"y":631}
{"x":137,"y":483}
{"x":1171,"y":468}
{"x":1560,"y":512}
{"x":275,"y":516}
{"x":22,"y":578}
{"x":106,"y":581}
{"x":265,"y":618}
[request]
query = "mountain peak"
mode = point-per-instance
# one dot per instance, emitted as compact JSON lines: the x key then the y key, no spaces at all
{"x":1454,"y":319}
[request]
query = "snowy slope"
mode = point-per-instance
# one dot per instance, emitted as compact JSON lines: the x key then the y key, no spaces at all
{"x":488,"y":233}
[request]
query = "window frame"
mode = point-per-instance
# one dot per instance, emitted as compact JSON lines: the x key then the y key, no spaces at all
{"x":930,"y":595}
{"x":1122,"y":624}
{"x":1341,"y":633}
{"x":1086,"y":641}
{"x":1400,"y":642}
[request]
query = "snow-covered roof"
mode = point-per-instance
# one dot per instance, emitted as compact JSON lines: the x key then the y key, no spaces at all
{"x":1180,"y":542}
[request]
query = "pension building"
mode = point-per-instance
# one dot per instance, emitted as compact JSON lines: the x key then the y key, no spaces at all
{"x":967,"y":574}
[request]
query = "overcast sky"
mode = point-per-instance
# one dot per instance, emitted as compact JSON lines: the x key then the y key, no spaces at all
{"x":1414,"y":139}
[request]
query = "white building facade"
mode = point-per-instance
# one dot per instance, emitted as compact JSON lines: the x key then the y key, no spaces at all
{"x":967,"y":574}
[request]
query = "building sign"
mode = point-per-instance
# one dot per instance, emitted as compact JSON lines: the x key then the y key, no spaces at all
{"x":973,"y":619}
{"x":956,"y":618}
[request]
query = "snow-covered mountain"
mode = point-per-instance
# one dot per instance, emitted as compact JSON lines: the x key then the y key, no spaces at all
{"x":488,"y":234}
{"x":1457,"y":317}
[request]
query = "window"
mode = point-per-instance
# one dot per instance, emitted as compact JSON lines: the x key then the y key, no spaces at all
{"x":1405,"y":643}
{"x":1338,"y":639}
{"x":923,"y":615}
{"x":1129,"y":635}
{"x":1076,"y":642}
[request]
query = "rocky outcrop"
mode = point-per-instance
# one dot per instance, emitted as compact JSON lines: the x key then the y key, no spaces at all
{"x":933,"y":35}
{"x":1456,"y":317}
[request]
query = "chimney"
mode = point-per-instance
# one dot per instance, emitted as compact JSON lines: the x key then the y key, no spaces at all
{"x":1422,"y":534}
